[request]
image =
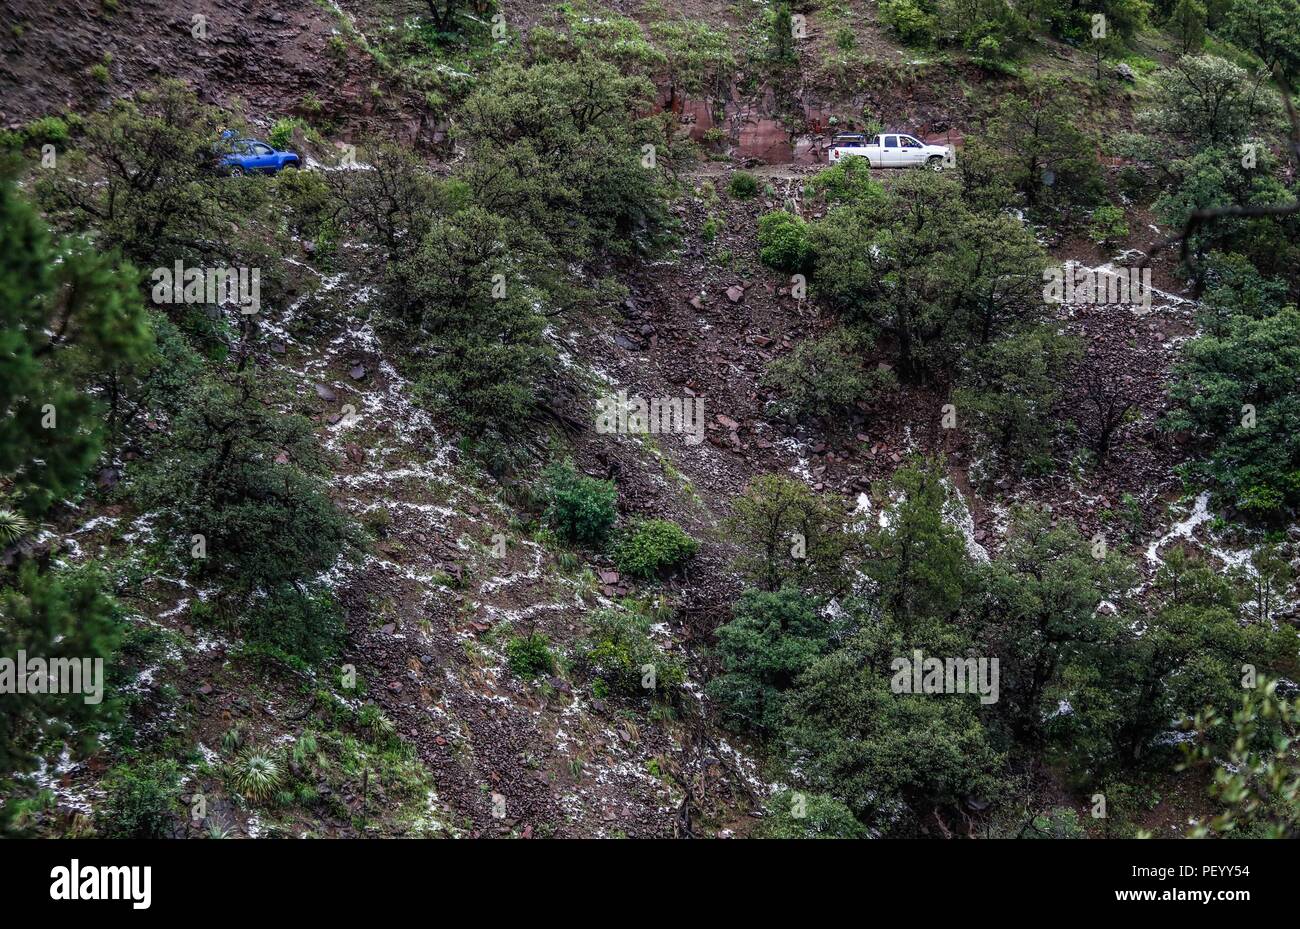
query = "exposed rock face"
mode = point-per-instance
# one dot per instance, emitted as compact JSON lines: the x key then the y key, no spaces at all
{"x":764,"y":139}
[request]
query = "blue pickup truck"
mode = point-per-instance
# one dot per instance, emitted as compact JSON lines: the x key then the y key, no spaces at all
{"x":249,"y":156}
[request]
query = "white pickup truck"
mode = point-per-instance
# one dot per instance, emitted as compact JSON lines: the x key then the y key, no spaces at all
{"x":895,"y":150}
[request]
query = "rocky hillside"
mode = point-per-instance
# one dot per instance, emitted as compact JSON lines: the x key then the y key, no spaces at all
{"x":1035,"y":486}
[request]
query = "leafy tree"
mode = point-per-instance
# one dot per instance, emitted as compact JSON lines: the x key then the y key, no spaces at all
{"x":825,"y":377}
{"x":1217,"y":177}
{"x":244,"y":477}
{"x":1267,"y":579}
{"x":1107,"y":402}
{"x":927,"y":273}
{"x":915,"y":22}
{"x":982,"y":172}
{"x":1235,"y":287}
{"x":898,"y":761}
{"x":1237,"y":394}
{"x":1190,"y":655}
{"x":447,"y":16}
{"x":1255,"y":782}
{"x":1188,"y":24}
{"x":69,"y":310}
{"x":989,"y":29}
{"x":780,"y":40}
{"x":62,"y":615}
{"x":1051,"y":162}
{"x":142,"y":175}
{"x":917,"y":559}
{"x":772,"y":638}
{"x":579,"y":509}
{"x":1270,"y":29}
{"x":557,"y":148}
{"x":1103,"y":44}
{"x":396,"y":199}
{"x":1041,"y":613}
{"x":1208,"y":101}
{"x":1010,"y":392}
{"x":700,"y":59}
{"x":464,"y":305}
{"x":787,"y":534}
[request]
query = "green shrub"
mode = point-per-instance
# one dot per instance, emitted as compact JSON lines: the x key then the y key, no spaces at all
{"x":1108,"y":225}
{"x":337,"y":46}
{"x":619,"y":656}
{"x":655,"y":545}
{"x":1059,"y":823}
{"x":910,"y":21}
{"x":281,"y":134}
{"x":847,"y":181}
{"x":793,"y":815}
{"x":743,"y":185}
{"x":825,"y":377}
{"x":1009,"y":395}
{"x":579,"y":509}
{"x":530,"y":655}
{"x":783,"y":241}
{"x":140,"y":801}
{"x":47,"y":129}
{"x":304,"y":623}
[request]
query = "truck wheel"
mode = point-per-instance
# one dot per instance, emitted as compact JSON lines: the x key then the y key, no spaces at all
{"x":935,"y":163}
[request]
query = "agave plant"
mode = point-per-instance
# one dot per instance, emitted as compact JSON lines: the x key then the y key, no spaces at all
{"x":232,"y":740}
{"x":256,"y":774}
{"x":13,"y":526}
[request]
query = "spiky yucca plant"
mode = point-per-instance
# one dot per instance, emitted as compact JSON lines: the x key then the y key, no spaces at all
{"x":256,"y":774}
{"x":13,"y":526}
